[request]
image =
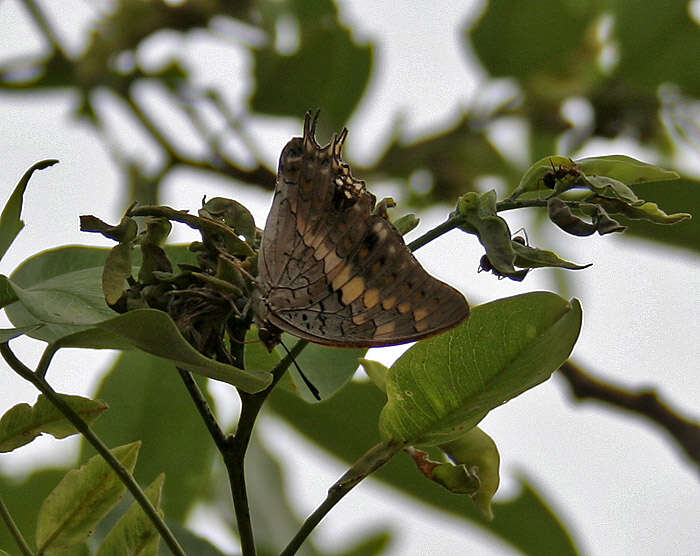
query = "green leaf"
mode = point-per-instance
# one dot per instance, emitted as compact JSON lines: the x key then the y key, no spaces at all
{"x":7,"y":334}
{"x":79,"y":502}
{"x":65,"y":303}
{"x":148,"y":401}
{"x":611,"y":188}
{"x":443,"y":386}
{"x":327,"y":61}
{"x":10,"y":223}
{"x":608,"y":175}
{"x":682,"y":196}
{"x":626,"y":169}
{"x":75,"y":315}
{"x":458,"y":479}
{"x":56,"y":262}
{"x":23,"y":423}
{"x":541,"y":45}
{"x":328,"y":369}
{"x":643,"y":211}
{"x":376,"y":371}
{"x":135,"y":533}
{"x":531,"y":257}
{"x":641,"y":27}
{"x":476,"y":449}
{"x":479,"y":213}
{"x":155,"y":332}
{"x":74,"y":299}
{"x":116,"y":271}
{"x":7,"y":294}
{"x":535,"y":526}
{"x":233,"y":214}
{"x":346,"y":427}
{"x":406,"y":223}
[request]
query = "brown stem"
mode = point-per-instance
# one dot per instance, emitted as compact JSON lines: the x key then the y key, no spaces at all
{"x":122,"y":472}
{"x":645,"y":403}
{"x":233,"y":447}
{"x":372,"y":460}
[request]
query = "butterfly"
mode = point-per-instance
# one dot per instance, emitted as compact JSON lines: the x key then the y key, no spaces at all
{"x":332,"y":272}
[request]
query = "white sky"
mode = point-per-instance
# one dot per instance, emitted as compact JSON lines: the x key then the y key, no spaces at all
{"x":618,"y":483}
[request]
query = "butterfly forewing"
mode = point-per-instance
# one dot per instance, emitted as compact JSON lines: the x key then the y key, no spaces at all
{"x":332,"y":272}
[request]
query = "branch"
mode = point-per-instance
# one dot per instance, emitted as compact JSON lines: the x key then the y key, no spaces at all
{"x":372,"y":460}
{"x":14,"y":530}
{"x":43,"y":24}
{"x":204,"y":409}
{"x":645,"y":403}
{"x":449,"y":224}
{"x":234,"y":454}
{"x":122,"y":472}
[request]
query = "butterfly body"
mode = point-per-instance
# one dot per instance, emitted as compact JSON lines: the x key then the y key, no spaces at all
{"x":332,"y":272}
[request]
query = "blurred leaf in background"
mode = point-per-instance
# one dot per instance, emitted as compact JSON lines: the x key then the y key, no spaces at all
{"x":572,"y":74}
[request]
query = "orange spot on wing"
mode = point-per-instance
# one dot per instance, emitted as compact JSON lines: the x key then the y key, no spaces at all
{"x":420,"y":314}
{"x":385,"y":329}
{"x":353,"y":289}
{"x":371,"y":297}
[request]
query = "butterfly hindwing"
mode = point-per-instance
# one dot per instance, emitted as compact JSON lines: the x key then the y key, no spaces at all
{"x":332,"y":272}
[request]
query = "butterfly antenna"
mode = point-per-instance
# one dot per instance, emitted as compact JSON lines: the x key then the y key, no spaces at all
{"x":308,"y":383}
{"x":338,"y":143}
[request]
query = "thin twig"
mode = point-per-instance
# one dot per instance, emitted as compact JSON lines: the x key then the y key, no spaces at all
{"x":645,"y":403}
{"x":204,"y":410}
{"x":122,"y":472}
{"x":372,"y":460}
{"x":46,"y":359}
{"x":14,"y":530}
{"x":450,"y":224}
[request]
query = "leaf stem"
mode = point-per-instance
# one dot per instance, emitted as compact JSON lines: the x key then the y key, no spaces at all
{"x":451,"y":223}
{"x":372,"y":460}
{"x":14,"y":530}
{"x":455,"y":220}
{"x":122,"y":472}
{"x":204,"y":410}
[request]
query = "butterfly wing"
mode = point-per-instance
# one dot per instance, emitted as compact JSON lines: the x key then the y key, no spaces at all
{"x":334,"y":273}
